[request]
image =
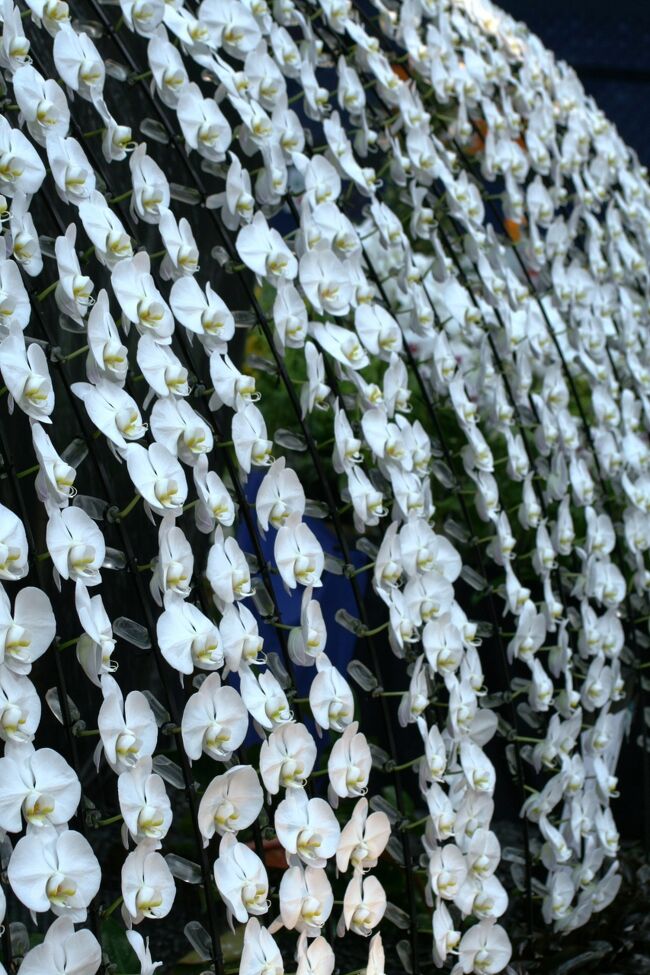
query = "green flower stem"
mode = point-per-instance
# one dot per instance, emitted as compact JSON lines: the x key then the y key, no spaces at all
{"x":28,"y":471}
{"x":125,"y":512}
{"x":405,"y":765}
{"x":113,"y":907}
{"x":377,"y":629}
{"x":418,"y":822}
{"x":112,"y":819}
{"x":46,"y":291}
{"x":75,"y":354}
{"x":67,"y":643}
{"x":122,"y":197}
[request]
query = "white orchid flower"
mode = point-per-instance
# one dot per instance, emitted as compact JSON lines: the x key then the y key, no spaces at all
{"x":349,"y":763}
{"x":232,"y":24}
{"x":263,"y":250}
{"x":231,"y":387}
{"x":167,"y":66}
{"x":76,"y":545}
{"x":143,"y":16}
{"x":330,"y":697}
{"x":144,"y":803}
{"x":148,"y":887}
{"x":64,"y":951}
{"x":260,"y":954}
{"x":54,"y":871}
{"x":237,"y":202}
{"x":74,"y":290}
{"x":279,"y":495}
{"x":306,"y":900}
{"x":25,"y":243}
{"x":307,"y":828}
{"x":186,"y":637}
{"x":20,"y":707}
{"x":150,"y":187}
{"x":27,"y":377}
{"x":363,"y":839}
{"x":287,"y":758}
{"x":327,"y":286}
{"x":266,"y":701}
{"x":215,"y":720}
{"x":227,"y":570}
{"x":203,"y":313}
{"x":127,"y":727}
{"x":161,"y":368}
{"x":231,"y":802}
{"x":364,"y":905}
{"x":315,"y":393}
{"x":43,"y":105}
{"x":139,"y":944}
{"x":73,"y":175}
{"x":484,"y":949}
{"x":307,"y":642}
{"x":241,"y":879}
{"x":298,"y":553}
{"x":21,"y":170}
{"x":203,"y":124}
{"x":112,"y":410}
{"x":78,"y":62}
{"x":341,"y":343}
{"x":290,"y":316}
{"x":27,"y":631}
{"x":96,"y":643}
{"x":139,"y":298}
{"x":314,"y":958}
{"x":107,"y":356}
{"x":14,"y":301}
{"x":37,"y":785}
{"x":111,"y":242}
{"x":447,"y":871}
{"x":242,"y":643}
{"x":252,"y":446}
{"x":157,"y":476}
{"x":174,"y":564}
{"x":15,"y":46}
{"x":215,"y":506}
{"x":182,"y":257}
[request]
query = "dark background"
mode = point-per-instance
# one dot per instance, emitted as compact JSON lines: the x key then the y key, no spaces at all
{"x":608,"y":44}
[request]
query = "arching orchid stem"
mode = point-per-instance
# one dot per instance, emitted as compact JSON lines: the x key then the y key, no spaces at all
{"x":42,"y":295}
{"x":133,"y":80}
{"x":405,"y":765}
{"x":122,"y":197}
{"x":125,"y":512}
{"x":416,"y":823}
{"x":87,"y":733}
{"x":113,"y":907}
{"x":75,"y":354}
{"x":377,"y":629}
{"x":67,"y":643}
{"x":363,"y":568}
{"x":111,"y":819}
{"x":29,"y":470}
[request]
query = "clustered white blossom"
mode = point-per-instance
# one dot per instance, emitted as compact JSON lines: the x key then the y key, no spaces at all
{"x":512,"y":328}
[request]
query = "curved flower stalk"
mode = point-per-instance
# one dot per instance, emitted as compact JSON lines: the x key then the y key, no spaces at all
{"x":441,"y":244}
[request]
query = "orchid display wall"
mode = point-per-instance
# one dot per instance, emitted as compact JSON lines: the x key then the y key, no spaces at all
{"x":324,"y":488}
